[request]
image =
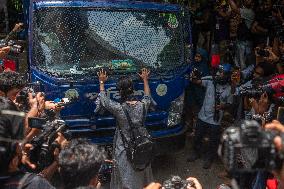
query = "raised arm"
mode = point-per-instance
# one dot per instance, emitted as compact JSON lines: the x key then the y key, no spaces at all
{"x":17,"y":28}
{"x":102,"y":79}
{"x":145,"y":75}
{"x":234,"y":6}
{"x":103,"y":99}
{"x":4,"y":52}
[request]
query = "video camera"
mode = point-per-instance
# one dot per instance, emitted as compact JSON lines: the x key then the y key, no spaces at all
{"x":15,"y":48}
{"x":273,"y":87}
{"x":42,"y":153}
{"x":265,"y":118}
{"x":253,"y":91}
{"x":250,"y":135}
{"x":177,"y":182}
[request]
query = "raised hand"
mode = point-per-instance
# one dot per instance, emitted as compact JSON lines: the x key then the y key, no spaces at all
{"x":263,"y":103}
{"x":197,"y":185}
{"x":102,"y":75}
{"x":38,"y":101}
{"x":144,"y":73}
{"x":18,"y":27}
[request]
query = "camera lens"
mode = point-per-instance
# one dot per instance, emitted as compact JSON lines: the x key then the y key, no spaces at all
{"x":16,"y":49}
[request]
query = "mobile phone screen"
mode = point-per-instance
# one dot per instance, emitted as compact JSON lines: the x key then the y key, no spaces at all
{"x":280,"y":115}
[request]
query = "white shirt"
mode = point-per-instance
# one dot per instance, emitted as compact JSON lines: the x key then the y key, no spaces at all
{"x":207,"y":110}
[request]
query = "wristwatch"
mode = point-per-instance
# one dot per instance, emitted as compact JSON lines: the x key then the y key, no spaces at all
{"x":101,"y":82}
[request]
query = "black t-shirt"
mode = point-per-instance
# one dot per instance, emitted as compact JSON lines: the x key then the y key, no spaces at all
{"x":26,"y":181}
{"x":263,"y":19}
{"x":11,"y":126}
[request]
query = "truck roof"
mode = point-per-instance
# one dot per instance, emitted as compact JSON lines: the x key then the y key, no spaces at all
{"x":122,"y":4}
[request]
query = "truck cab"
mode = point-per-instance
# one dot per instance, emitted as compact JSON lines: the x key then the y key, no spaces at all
{"x":69,"y":41}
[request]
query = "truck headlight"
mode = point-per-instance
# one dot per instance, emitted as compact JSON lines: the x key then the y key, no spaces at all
{"x":175,"y":111}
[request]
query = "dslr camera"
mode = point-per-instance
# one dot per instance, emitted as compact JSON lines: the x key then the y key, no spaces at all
{"x":263,"y":52}
{"x":255,"y":91}
{"x":251,"y":136}
{"x":15,"y":48}
{"x":195,"y":74}
{"x":44,"y":144}
{"x":175,"y":182}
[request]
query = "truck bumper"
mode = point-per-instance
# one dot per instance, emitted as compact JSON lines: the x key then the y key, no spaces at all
{"x":171,"y":143}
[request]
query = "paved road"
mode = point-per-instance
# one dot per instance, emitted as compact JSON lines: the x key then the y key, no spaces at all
{"x":176,"y":164}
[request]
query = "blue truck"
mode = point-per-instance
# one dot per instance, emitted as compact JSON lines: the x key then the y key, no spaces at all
{"x":69,"y":41}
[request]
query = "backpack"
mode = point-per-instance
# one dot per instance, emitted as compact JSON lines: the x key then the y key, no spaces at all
{"x":140,"y":147}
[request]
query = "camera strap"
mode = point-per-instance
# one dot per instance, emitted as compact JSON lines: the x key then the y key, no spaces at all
{"x":216,"y":112}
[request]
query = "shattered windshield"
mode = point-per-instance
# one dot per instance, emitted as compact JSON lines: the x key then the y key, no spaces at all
{"x":80,"y":40}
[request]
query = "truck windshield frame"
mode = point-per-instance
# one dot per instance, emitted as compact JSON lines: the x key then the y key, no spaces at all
{"x":122,"y":40}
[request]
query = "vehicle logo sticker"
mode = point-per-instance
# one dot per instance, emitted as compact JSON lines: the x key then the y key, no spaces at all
{"x":113,"y":93}
{"x":71,"y":94}
{"x":173,"y":22}
{"x":162,"y":89}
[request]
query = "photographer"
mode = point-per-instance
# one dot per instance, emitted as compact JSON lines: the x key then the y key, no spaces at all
{"x":195,"y":93}
{"x":17,"y":28}
{"x":265,"y":55}
{"x":217,"y":98}
{"x":11,"y":153}
{"x":9,"y":46}
{"x":256,"y":106}
{"x":11,"y":83}
{"x":260,"y":71}
{"x":5,"y":50}
{"x":79,"y":164}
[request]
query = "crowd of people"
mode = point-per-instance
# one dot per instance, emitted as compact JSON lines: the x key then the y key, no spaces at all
{"x":239,"y":49}
{"x":238,"y":66}
{"x":77,"y":160}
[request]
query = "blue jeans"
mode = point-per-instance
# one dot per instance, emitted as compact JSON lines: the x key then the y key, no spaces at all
{"x":243,"y":49}
{"x":260,"y":181}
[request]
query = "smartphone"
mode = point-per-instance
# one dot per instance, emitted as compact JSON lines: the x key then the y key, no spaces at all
{"x":280,"y":115}
{"x":35,"y":122}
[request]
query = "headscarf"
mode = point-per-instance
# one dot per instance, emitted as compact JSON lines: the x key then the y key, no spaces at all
{"x":202,"y":66}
